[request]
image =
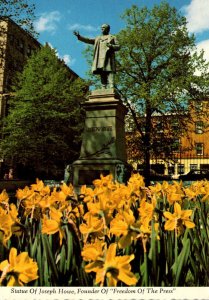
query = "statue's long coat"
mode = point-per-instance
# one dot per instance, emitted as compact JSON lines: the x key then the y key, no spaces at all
{"x":104,"y":57}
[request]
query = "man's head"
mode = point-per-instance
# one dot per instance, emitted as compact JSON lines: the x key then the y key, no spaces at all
{"x":105,"y":28}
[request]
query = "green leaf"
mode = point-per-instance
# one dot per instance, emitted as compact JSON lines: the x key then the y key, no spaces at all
{"x":50,"y":260}
{"x":70,"y":252}
{"x":179,"y":265}
{"x":153,"y":255}
{"x":62,"y":260}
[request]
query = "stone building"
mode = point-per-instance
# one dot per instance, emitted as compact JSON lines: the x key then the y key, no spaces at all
{"x":16,"y":45}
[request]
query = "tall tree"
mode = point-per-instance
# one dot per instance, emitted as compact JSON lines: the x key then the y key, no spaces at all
{"x":157,"y":67}
{"x":42,"y":130}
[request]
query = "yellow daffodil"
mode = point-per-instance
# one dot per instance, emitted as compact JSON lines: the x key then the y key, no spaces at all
{"x":190,"y":193}
{"x":93,"y":252}
{"x":58,"y":197}
{"x":53,"y":225}
{"x":125,"y":227}
{"x":93,"y":226}
{"x":103,"y":207}
{"x":68,"y":190}
{"x":137,"y":181}
{"x":135,"y":186}
{"x":32,"y":205}
{"x":47,"y":201}
{"x":113,"y":268}
{"x":104,"y":181}
{"x":4,"y":198}
{"x":205,"y":195}
{"x":172,"y":192}
{"x":147,"y":210}
{"x":40,"y":187}
{"x":145,"y":232}
{"x":6,"y":223}
{"x":13,"y":212}
{"x":87,"y":193}
{"x":174,"y":197}
{"x":73,"y":211}
{"x":16,"y":226}
{"x":120,"y":196}
{"x":157,"y":188}
{"x":19,"y":270}
{"x":22,"y":194}
{"x":178,"y":219}
{"x":198,"y":188}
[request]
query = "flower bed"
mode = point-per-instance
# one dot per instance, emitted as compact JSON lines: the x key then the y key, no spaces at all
{"x":109,"y":235}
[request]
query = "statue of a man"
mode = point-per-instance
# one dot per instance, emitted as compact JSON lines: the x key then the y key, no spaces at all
{"x":105,"y":46}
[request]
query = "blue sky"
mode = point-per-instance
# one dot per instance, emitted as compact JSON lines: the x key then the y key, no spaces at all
{"x":56,"y":20}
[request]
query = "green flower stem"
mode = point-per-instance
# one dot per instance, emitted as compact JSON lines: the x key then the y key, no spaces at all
{"x":176,"y":254}
{"x":146,"y":280}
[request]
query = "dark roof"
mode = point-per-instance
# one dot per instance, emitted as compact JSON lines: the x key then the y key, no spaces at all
{"x":9,"y":20}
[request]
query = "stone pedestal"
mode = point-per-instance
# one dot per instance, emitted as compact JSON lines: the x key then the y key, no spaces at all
{"x":103,"y":142}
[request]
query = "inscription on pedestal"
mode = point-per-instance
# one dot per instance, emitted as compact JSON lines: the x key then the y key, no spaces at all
{"x":103,"y":140}
{"x":99,"y":129}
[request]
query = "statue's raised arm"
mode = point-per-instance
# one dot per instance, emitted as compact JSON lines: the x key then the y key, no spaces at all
{"x":105,"y":46}
{"x":76,"y":33}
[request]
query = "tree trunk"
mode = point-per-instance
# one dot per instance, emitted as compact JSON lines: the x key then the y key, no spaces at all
{"x":147,"y":143}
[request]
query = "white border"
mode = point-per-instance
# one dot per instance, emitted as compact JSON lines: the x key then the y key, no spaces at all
{"x":111,"y":293}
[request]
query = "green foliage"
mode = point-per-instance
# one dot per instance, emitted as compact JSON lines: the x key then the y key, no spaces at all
{"x":157,"y":67}
{"x":19,"y":11}
{"x":156,"y":61}
{"x":42,"y":130}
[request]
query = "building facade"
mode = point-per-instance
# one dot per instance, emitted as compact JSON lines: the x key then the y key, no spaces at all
{"x":16,"y":45}
{"x":193,"y":149}
{"x":189,"y":151}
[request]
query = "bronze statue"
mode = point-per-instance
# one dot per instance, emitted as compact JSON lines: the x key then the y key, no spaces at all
{"x":105,"y":46}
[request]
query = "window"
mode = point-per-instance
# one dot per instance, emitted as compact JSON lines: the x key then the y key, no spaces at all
{"x":193,"y":166}
{"x":159,"y":168}
{"x":15,"y":64}
{"x":199,"y":127}
{"x":171,"y":169}
{"x":204,"y":166}
{"x":199,"y":148}
{"x":180,"y":169}
{"x":159,"y":127}
{"x":11,"y":39}
{"x":29,"y":50}
{"x":21,"y":45}
{"x":175,"y":124}
{"x":157,"y":144}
